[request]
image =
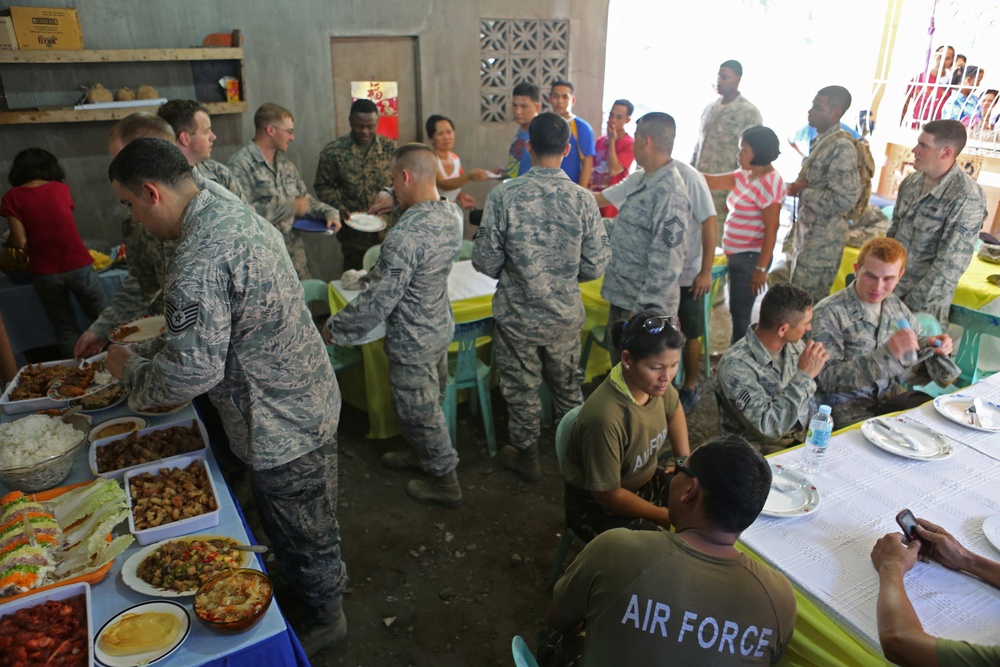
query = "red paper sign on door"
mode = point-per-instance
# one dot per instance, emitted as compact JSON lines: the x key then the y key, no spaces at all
{"x":385,"y":95}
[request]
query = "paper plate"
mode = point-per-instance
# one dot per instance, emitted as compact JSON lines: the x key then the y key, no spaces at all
{"x":931,"y":446}
{"x":364,"y":222}
{"x":953,"y":407}
{"x":130,"y":568}
{"x":55,"y":389}
{"x":159,"y":412}
{"x":991,"y":529}
{"x":311,"y":226}
{"x":147,"y":328}
{"x":801,"y":498}
{"x":162,"y":606}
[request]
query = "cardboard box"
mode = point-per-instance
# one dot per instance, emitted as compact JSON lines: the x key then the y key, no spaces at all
{"x":47,"y":29}
{"x":8,"y":42}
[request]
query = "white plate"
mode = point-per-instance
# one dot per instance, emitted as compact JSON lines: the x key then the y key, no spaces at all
{"x":953,"y":407}
{"x":139,"y":422}
{"x":803,"y":499}
{"x":161,"y":606}
{"x":149,"y":327}
{"x":933,"y":447}
{"x":56,"y":395}
{"x":149,"y":413}
{"x":130,"y":568}
{"x":991,"y":529}
{"x":363,"y":222}
{"x":122,"y":396}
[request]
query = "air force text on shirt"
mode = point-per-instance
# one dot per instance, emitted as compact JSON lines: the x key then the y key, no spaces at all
{"x":689,"y":628}
{"x":654,"y":444}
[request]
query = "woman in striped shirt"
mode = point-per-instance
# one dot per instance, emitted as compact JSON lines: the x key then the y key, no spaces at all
{"x":756,"y":194}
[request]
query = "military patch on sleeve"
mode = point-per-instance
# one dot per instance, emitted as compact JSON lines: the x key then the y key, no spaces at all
{"x":479,"y":232}
{"x":395,"y":273}
{"x":180,"y":318}
{"x":380,"y":266}
{"x":742,"y":400}
{"x":673,"y":232}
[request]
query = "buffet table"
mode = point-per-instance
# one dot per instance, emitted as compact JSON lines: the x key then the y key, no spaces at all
{"x":825,"y":554}
{"x":269,"y":643}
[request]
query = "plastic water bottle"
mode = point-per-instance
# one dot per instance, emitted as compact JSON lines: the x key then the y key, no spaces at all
{"x":910,"y":356}
{"x":817,"y":439}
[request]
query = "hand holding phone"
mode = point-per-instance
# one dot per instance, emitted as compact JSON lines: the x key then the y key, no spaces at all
{"x":908,"y":523}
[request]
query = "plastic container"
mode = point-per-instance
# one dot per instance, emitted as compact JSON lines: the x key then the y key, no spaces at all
{"x":59,"y":593}
{"x":910,"y":356}
{"x":118,"y":474}
{"x":173,"y":528}
{"x":817,"y":440}
{"x":32,"y":404}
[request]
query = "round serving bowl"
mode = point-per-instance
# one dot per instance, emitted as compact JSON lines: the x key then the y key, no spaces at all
{"x":231,"y":578}
{"x":47,"y":473}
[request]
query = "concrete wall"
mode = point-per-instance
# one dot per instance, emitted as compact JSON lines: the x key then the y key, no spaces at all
{"x":288,"y":62}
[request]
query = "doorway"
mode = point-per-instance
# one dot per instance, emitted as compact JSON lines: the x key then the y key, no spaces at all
{"x":378,"y":59}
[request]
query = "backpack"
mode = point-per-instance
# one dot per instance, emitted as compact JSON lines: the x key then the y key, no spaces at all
{"x":866,"y":171}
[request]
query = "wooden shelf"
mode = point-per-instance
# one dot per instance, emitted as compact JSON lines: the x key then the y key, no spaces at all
{"x":21,"y":116}
{"x":120,"y":55}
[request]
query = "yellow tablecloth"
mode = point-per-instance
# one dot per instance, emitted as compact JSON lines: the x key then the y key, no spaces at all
{"x":367,"y":388}
{"x":972,"y":292}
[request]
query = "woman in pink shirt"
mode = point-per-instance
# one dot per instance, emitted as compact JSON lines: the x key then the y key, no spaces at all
{"x":756,"y":194}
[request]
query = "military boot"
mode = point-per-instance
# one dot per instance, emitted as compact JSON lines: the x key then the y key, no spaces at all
{"x":522,"y":462}
{"x":443,"y":490}
{"x":328,"y":630}
{"x":404,"y":459}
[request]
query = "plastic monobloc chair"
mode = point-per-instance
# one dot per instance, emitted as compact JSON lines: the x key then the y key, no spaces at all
{"x":371,"y":257}
{"x":974,"y":325}
{"x":467,"y":371}
{"x":718,"y":277}
{"x":340,"y":357}
{"x":522,"y":654}
{"x":568,"y":537}
{"x":597,"y":334}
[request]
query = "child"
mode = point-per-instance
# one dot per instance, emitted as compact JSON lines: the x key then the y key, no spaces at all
{"x":39,"y":211}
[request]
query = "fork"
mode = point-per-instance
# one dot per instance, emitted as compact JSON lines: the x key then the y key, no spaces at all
{"x":972,"y":412}
{"x":784,"y":487}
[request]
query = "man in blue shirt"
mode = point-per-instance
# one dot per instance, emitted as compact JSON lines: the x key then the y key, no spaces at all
{"x":962,"y":105}
{"x":526,"y":102}
{"x":579,"y":164}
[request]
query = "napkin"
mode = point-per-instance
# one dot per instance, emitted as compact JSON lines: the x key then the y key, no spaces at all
{"x":354,"y":280}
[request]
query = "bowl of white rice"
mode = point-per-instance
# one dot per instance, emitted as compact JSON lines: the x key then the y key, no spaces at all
{"x":38,"y":451}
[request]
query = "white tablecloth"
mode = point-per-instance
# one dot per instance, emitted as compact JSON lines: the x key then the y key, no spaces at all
{"x":826,"y":554}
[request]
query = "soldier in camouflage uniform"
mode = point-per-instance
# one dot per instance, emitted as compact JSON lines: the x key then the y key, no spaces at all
{"x":767,"y":379}
{"x":647,"y":238}
{"x":857,"y":326}
{"x":236,"y":319}
{"x":827,"y":187}
{"x":939,"y":213}
{"x":352,"y":170}
{"x":540,"y":237}
{"x":193,"y":128}
{"x":273,"y":184}
{"x":722,"y":124}
{"x":409,"y":292}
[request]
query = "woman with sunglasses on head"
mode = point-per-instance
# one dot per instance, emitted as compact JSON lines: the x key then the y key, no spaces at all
{"x":754,"y":202}
{"x":610,"y":469}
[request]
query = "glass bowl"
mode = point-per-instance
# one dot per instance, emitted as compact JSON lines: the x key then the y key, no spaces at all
{"x":47,"y":473}
{"x":241,"y":587}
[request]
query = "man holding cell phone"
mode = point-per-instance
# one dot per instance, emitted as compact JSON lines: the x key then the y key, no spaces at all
{"x":903,"y":639}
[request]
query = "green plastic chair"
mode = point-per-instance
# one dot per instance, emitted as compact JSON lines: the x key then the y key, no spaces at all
{"x":974,"y":324}
{"x":466,"y":371}
{"x":371,"y":257}
{"x":568,"y":536}
{"x":718,"y":277}
{"x":465,"y":252}
{"x":522,"y":654}
{"x":340,"y":356}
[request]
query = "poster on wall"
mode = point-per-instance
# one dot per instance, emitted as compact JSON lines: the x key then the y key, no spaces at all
{"x":385,"y":95}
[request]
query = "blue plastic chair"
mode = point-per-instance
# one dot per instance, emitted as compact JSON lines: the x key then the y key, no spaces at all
{"x":522,"y":654}
{"x":467,"y":371}
{"x":340,"y":357}
{"x":974,"y":324}
{"x":568,"y":536}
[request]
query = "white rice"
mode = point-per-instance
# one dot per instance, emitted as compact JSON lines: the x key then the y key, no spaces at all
{"x":33,"y":439}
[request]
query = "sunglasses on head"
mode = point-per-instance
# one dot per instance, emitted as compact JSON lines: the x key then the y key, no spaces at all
{"x":654,"y":325}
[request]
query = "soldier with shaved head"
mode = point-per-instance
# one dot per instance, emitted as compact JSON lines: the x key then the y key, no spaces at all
{"x":409,"y":292}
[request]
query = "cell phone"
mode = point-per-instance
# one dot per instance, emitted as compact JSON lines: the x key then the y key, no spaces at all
{"x":908,"y":523}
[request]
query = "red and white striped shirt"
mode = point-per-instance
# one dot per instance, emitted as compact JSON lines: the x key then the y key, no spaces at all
{"x":745,"y":225}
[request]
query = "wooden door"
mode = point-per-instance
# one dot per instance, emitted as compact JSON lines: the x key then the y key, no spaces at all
{"x":378,"y":59}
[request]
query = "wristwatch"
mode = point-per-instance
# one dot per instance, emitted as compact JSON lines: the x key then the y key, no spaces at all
{"x":762,"y":269}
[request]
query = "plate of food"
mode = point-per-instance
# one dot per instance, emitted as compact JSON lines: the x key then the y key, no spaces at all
{"x":157,"y":411}
{"x":906,"y":438}
{"x":170,"y":500}
{"x":29,"y":390}
{"x":179,"y":566}
{"x":55,"y":626}
{"x":142,"y":634}
{"x":364,"y":222}
{"x":116,"y":427}
{"x":112,"y":456}
{"x":792,"y":494}
{"x":956,"y":407}
{"x":234,"y":600}
{"x":137,"y":331}
{"x":106,"y":398}
{"x":90,"y":377}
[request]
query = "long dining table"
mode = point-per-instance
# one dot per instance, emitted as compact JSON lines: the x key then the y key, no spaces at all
{"x":269,"y":643}
{"x":826,"y":553}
